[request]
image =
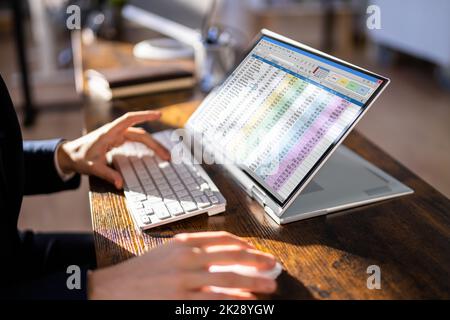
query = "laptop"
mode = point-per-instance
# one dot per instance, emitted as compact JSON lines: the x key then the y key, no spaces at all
{"x":276,"y":124}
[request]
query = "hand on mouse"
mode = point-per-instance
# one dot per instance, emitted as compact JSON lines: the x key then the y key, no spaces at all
{"x":179,"y":270}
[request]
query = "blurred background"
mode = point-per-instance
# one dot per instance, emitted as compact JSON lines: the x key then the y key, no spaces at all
{"x":406,"y":41}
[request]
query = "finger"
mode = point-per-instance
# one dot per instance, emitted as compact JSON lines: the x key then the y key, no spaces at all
{"x":248,"y":257}
{"x":117,"y":142}
{"x":131,"y":118}
{"x":204,"y":295}
{"x":108,"y":174}
{"x":198,"y":280}
{"x":140,"y":135}
{"x":208,"y":239}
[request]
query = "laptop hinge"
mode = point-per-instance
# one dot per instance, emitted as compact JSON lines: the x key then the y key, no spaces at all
{"x":258,"y":196}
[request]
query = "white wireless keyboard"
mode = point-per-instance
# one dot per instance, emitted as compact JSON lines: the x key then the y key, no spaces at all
{"x":160,"y":192}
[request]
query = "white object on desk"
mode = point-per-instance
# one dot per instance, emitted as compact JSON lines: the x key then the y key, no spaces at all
{"x":249,"y":270}
{"x":162,"y":49}
{"x":244,"y":271}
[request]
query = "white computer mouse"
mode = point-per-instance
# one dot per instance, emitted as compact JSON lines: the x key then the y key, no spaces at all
{"x":249,"y":270}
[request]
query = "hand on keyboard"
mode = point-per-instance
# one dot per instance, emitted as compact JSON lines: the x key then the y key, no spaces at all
{"x":87,"y":155}
{"x":180,"y":270}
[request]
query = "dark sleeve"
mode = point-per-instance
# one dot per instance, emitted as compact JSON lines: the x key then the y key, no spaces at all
{"x":40,"y":172}
{"x":49,"y":287}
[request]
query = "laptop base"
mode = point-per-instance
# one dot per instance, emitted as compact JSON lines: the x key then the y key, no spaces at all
{"x":345,"y":181}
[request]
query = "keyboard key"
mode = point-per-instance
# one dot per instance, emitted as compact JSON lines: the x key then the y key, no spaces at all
{"x":130,"y":182}
{"x":168,"y":170}
{"x":159,"y":181}
{"x":196,"y":193}
{"x":148,"y":211}
{"x":139,"y":167}
{"x":175,"y":208}
{"x":142,"y":173}
{"x":172,"y":178}
{"x":145,"y":219}
{"x":146,"y":181}
{"x":166,"y":192}
{"x":169,"y":176}
{"x":182,"y":193}
{"x":153,"y":199}
{"x":188,"y":180}
{"x":151,"y":190}
{"x":188,"y":205}
{"x":130,"y":179}
{"x":185,"y":175}
{"x":149,"y":162}
{"x":154,"y":170}
{"x":179,"y":168}
{"x":161,"y":212}
{"x":209,"y":193}
{"x":178,"y":187}
{"x":202,"y":202}
{"x":164,"y":187}
{"x":148,"y":185}
{"x":137,"y":196}
{"x":214,"y":199}
{"x":193,"y":186}
{"x":137,"y":204}
{"x":170,"y":197}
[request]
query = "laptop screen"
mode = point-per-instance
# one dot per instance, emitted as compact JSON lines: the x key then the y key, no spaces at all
{"x":282,"y":110}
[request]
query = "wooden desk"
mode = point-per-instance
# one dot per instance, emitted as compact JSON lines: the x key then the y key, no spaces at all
{"x":324,"y":257}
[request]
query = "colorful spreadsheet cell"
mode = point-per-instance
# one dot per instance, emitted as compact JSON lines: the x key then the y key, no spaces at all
{"x":352,"y":86}
{"x":343,"y":81}
{"x":362,"y":90}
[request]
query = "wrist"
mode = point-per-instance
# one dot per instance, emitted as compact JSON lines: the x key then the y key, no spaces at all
{"x":64,"y":160}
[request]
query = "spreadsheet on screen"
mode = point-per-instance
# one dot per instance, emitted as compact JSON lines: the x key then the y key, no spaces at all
{"x":280,"y":110}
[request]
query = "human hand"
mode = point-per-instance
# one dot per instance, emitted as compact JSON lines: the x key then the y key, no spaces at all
{"x":87,"y":154}
{"x":179,"y":270}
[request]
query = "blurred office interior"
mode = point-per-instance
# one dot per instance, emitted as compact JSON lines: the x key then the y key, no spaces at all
{"x":410,"y":121}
